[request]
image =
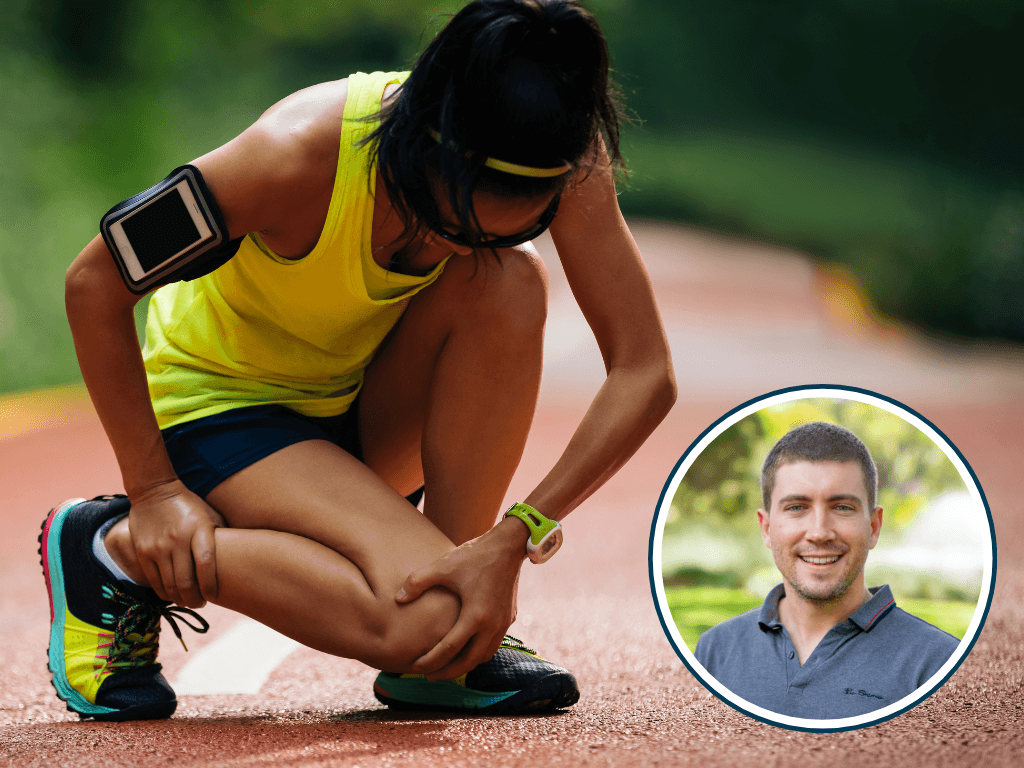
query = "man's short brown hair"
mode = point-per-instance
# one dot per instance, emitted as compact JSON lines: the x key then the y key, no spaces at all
{"x":818,"y":441}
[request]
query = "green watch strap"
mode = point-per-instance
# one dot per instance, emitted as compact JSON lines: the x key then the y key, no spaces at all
{"x":539,"y":525}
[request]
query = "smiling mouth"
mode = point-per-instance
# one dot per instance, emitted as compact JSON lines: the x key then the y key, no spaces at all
{"x":828,"y":560}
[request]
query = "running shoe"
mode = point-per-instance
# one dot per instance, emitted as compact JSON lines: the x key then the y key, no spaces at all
{"x":514,"y":680}
{"x":104,"y":632}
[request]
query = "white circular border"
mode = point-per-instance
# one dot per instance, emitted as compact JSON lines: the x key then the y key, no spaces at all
{"x":658,"y":533}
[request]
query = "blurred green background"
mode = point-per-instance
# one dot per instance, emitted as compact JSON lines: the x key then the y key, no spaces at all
{"x":931,"y":550}
{"x":885,"y":136}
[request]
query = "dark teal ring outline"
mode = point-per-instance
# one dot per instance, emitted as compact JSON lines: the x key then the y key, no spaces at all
{"x":654,"y":525}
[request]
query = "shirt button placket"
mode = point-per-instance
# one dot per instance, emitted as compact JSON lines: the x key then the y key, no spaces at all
{"x":792,"y":664}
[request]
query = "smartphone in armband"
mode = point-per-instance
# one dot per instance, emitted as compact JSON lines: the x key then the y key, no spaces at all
{"x":160,"y":234}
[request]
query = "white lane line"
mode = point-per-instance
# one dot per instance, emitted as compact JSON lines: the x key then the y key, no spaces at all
{"x":239,"y":661}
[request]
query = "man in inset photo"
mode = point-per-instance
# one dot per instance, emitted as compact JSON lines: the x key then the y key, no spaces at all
{"x":823,"y":645}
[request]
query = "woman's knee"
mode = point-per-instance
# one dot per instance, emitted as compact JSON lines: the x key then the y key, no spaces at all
{"x":509,"y":292}
{"x":523,"y":299}
{"x":400,"y":634}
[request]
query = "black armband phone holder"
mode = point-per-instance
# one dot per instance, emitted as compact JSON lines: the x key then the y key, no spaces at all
{"x":172,"y":231}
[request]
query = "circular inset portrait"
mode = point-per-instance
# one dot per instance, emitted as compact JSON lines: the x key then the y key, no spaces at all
{"x":822,"y":558}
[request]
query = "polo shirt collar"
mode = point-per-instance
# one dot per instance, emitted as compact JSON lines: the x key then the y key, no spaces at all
{"x":875,"y":609}
{"x":865,"y":617}
{"x":769,"y":617}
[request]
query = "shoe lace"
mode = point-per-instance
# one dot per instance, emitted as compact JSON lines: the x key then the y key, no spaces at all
{"x":516,"y":644}
{"x":136,"y":638}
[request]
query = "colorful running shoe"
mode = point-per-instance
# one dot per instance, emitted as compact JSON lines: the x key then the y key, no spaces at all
{"x":104,"y":633}
{"x":514,"y":680}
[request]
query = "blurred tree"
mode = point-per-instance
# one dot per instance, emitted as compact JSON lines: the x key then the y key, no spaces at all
{"x":84,"y":37}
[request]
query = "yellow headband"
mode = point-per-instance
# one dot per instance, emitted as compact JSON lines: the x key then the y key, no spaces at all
{"x":513,"y":168}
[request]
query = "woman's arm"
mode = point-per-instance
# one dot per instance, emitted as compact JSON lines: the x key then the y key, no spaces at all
{"x":611,"y":286}
{"x":177,"y":550}
{"x":258,"y":179}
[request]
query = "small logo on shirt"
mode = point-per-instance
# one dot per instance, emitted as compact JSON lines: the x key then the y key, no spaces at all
{"x":862,"y":692}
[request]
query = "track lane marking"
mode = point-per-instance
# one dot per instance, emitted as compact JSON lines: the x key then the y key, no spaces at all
{"x":239,"y":661}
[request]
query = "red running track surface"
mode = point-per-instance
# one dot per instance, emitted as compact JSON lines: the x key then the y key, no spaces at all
{"x":743,"y":320}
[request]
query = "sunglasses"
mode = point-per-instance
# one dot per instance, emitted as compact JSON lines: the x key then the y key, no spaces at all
{"x":506,"y":241}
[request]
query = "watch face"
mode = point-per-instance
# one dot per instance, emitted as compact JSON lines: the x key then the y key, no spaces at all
{"x":548,"y":546}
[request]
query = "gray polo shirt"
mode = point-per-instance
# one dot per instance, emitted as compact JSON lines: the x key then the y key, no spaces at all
{"x":874,"y":658}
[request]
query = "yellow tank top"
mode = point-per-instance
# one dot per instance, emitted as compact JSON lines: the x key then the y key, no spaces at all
{"x":265,"y":329}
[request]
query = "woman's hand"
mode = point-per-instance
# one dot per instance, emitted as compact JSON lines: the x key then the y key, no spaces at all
{"x":484,"y":573}
{"x":172,"y":532}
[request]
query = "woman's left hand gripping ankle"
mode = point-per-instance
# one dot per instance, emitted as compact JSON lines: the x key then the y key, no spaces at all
{"x":172,"y":533}
{"x":484,"y":574}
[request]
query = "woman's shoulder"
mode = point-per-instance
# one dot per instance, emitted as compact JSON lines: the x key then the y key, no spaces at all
{"x":304,"y":126}
{"x":294,"y":147}
{"x":281,"y":165}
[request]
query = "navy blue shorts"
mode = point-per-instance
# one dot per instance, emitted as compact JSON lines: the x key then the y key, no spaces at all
{"x":207,"y":451}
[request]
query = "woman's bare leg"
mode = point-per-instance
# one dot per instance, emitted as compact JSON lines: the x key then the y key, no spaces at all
{"x":317,"y":549}
{"x":449,"y":399}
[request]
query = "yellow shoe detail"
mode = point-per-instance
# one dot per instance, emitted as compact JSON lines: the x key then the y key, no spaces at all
{"x":86,"y":650}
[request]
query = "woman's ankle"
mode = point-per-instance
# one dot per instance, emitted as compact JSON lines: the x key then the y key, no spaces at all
{"x":118,"y":542}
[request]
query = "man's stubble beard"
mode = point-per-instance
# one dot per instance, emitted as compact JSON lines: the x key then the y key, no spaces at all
{"x":824,"y":595}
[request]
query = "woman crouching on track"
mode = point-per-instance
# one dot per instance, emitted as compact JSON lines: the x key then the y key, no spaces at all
{"x":368,"y":322}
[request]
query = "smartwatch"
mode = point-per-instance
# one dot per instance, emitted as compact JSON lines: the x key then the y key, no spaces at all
{"x":545,"y":534}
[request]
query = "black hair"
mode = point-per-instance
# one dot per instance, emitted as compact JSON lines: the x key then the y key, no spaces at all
{"x":524,"y":81}
{"x":818,"y":441}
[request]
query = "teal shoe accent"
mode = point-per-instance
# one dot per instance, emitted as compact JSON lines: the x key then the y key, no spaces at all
{"x":53,"y":571}
{"x":415,"y":689}
{"x":514,"y":680}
